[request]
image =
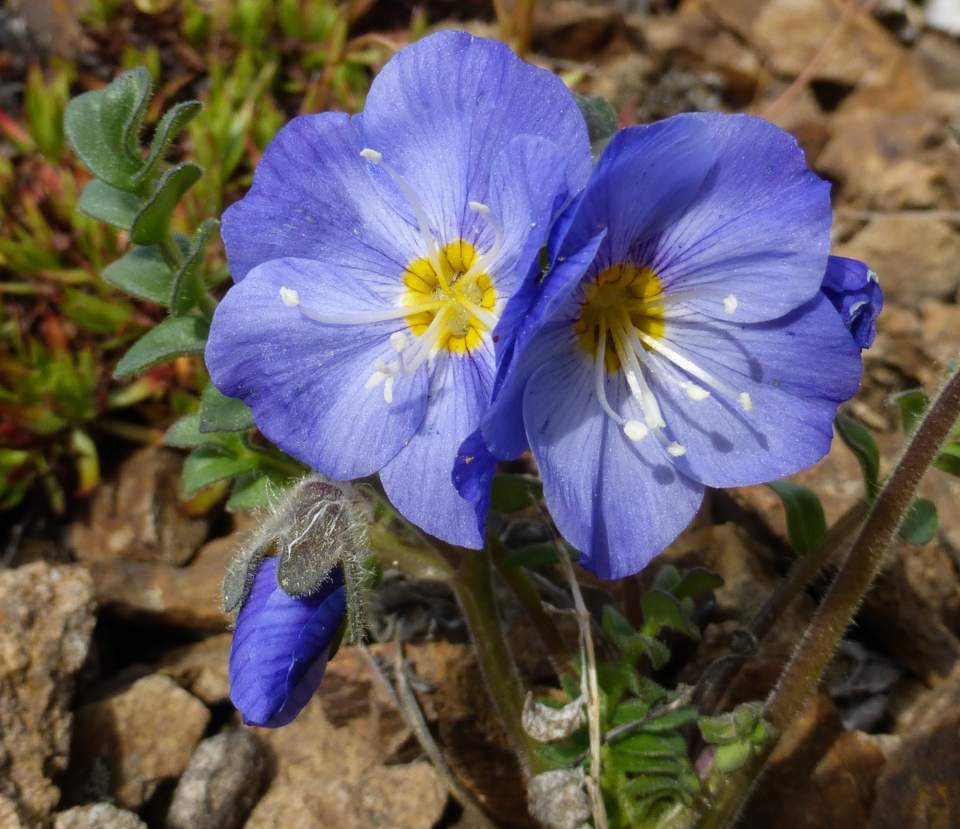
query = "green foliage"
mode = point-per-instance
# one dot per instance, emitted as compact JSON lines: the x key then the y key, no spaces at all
{"x":646,"y":767}
{"x":171,"y":338}
{"x":601,"y":118}
{"x":514,"y":493}
{"x":806,"y":522}
{"x":920,"y":523}
{"x":859,"y":441}
{"x":737,"y":735}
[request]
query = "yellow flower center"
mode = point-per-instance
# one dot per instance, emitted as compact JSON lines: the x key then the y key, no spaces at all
{"x":622,"y":300}
{"x":453,"y":303}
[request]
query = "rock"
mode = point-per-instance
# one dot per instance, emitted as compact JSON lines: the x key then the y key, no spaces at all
{"x":409,"y":796}
{"x":799,"y":751}
{"x":938,"y":57}
{"x":322,"y":772}
{"x":141,"y":516}
{"x":220,"y":785}
{"x":98,"y":816}
{"x":46,"y":622}
{"x":919,"y":787}
{"x":131,"y":741}
{"x":863,"y":52}
{"x":914,"y":256}
{"x":186,"y":597}
{"x":890,"y":161}
{"x":201,"y":668}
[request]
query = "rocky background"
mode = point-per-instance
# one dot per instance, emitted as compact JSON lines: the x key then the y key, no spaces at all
{"x":113,"y":692}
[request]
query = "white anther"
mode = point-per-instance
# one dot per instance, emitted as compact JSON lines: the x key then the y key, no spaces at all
{"x":730,"y":303}
{"x":479,"y":207}
{"x":398,"y":340}
{"x":375,"y":380}
{"x":289,"y":297}
{"x":388,"y":390}
{"x":695,"y":392}
{"x":746,"y":402}
{"x":677,"y":450}
{"x":371,"y":155}
{"x":635,"y":430}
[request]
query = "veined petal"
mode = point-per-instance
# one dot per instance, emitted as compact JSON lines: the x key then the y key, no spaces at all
{"x":418,"y":480}
{"x":307,"y":382}
{"x":443,"y":109}
{"x":759,"y":232}
{"x":796,"y":371}
{"x":280,"y":647}
{"x":645,"y":180}
{"x":618,"y":502}
{"x":313,"y":198}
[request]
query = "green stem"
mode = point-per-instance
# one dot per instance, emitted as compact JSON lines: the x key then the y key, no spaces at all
{"x":802,"y":675}
{"x":171,"y":252}
{"x":527,"y":594}
{"x":474,"y":588}
{"x":414,"y":561}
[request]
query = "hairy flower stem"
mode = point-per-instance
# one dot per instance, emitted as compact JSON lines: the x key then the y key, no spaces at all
{"x":802,"y":675}
{"x":473,"y":586}
{"x":803,"y":571}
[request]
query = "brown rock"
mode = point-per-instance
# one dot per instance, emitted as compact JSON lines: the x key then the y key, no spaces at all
{"x":919,"y":786}
{"x":141,"y":517}
{"x":914,"y":256}
{"x":220,"y":785}
{"x":46,"y":620}
{"x":863,"y":52}
{"x":409,"y":796}
{"x":891,"y":161}
{"x":186,"y":597}
{"x":136,"y":739}
{"x":201,"y":668}
{"x":797,"y":754}
{"x":98,"y":816}
{"x":323,"y":771}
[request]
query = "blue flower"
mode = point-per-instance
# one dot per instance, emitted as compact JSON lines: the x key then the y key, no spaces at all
{"x":374,"y":256}
{"x":853,"y":289}
{"x":281,"y":646}
{"x":679,"y":341}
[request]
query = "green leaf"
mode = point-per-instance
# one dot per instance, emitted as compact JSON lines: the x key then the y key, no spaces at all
{"x":174,"y":120}
{"x":949,"y":459}
{"x":697,"y":581}
{"x":719,"y":729}
{"x":171,"y":338}
{"x":533,"y":556}
{"x":186,"y":287}
{"x":732,"y":756}
{"x":103,"y":128}
{"x":859,"y":440}
{"x":153,"y":221}
{"x":601,"y":120}
{"x":185,"y":433}
{"x":254,"y":490}
{"x":143,"y":273}
{"x":912,"y":404}
{"x":102,"y":316}
{"x":806,"y":523}
{"x":219,"y":413}
{"x":107,"y":204}
{"x":648,"y":744}
{"x":662,"y":610}
{"x":920,"y":524}
{"x":206,"y":465}
{"x":513,"y":493}
{"x":672,"y":720}
{"x":652,"y":785}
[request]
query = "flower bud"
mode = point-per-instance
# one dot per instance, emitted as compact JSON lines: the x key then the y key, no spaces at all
{"x":281,"y":645}
{"x":854,"y":291}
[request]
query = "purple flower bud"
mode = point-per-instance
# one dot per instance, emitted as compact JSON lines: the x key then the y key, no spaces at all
{"x":281,"y":646}
{"x":854,"y":291}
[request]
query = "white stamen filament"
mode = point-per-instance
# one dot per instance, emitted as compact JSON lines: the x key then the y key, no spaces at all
{"x":426,"y":344}
{"x":291,"y":299}
{"x":600,"y":377}
{"x":483,"y":262}
{"x":691,"y":368}
{"x":413,"y":200}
